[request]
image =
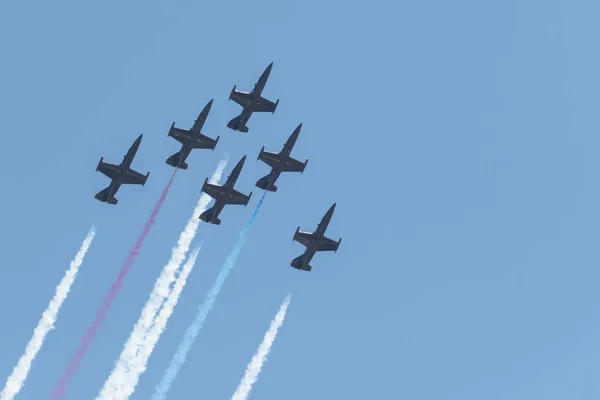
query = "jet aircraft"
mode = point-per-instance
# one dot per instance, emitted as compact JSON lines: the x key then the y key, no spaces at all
{"x":191,"y":139}
{"x":120,"y":174}
{"x":224,"y":195}
{"x":251,"y":102}
{"x":314,"y":242}
{"x":280,"y":162}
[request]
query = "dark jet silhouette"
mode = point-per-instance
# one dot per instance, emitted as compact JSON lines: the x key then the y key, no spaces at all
{"x":120,"y":174}
{"x":314,"y":242}
{"x":280,"y":162}
{"x":251,"y":102}
{"x":224,"y":195}
{"x":191,"y":139}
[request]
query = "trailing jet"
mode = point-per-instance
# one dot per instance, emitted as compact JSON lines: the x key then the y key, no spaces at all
{"x":251,"y":102}
{"x":191,"y":139}
{"x":280,"y":162}
{"x":314,"y":242}
{"x":224,"y":195}
{"x":120,"y":174}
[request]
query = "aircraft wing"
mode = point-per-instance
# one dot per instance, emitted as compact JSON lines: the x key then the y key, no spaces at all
{"x":265,"y":105}
{"x":134,"y":178}
{"x":241,"y":98}
{"x":269,"y":158}
{"x":293,"y":165}
{"x":214,"y":191}
{"x":304,"y":238}
{"x":108,"y":169}
{"x":239,"y":198}
{"x":328,"y":245}
{"x":179,"y":134}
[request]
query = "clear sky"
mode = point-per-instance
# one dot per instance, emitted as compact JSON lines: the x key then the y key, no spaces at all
{"x":459,"y":140}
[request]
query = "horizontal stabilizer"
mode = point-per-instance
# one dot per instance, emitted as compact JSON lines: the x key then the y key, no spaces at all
{"x":263,"y":183}
{"x":298,"y":263}
{"x":173,"y":161}
{"x":102,"y":196}
{"x":207,"y":216}
{"x":236,"y":125}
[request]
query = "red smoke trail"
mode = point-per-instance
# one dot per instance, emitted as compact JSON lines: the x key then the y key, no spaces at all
{"x":61,"y":387}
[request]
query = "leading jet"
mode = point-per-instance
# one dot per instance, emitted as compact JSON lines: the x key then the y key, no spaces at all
{"x":280,"y":162}
{"x":314,"y":242}
{"x":191,"y":139}
{"x":120,"y":174}
{"x":251,"y":102}
{"x":224,"y":195}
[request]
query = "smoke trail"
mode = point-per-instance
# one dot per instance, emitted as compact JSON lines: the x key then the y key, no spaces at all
{"x":61,"y":387}
{"x":116,"y":380}
{"x":257,"y":362}
{"x":140,"y":363}
{"x":193,"y":330}
{"x":15,"y":381}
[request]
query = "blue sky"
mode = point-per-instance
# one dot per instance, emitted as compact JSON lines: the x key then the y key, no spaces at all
{"x":459,"y":140}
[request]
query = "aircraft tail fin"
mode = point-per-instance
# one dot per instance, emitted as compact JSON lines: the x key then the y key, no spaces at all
{"x":236,"y":125}
{"x":264,"y":184}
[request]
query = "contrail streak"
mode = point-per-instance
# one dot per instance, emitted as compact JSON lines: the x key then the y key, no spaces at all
{"x":140,"y":363}
{"x":196,"y":326}
{"x":259,"y":359}
{"x":61,"y":387}
{"x":15,"y":381}
{"x":116,"y":380}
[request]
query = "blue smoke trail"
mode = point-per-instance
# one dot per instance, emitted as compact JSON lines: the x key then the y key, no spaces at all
{"x":190,"y":335}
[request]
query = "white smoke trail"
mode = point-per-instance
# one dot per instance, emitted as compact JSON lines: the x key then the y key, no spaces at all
{"x":15,"y":381}
{"x":191,"y":333}
{"x":259,"y":359}
{"x":141,"y":361}
{"x":116,"y":380}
